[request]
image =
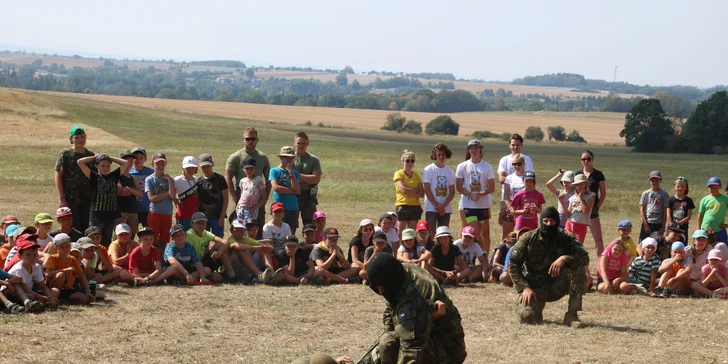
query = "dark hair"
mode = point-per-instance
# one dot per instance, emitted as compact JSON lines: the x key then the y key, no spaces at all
{"x":301,"y":134}
{"x":516,"y":137}
{"x":443,"y":148}
{"x":588,"y":151}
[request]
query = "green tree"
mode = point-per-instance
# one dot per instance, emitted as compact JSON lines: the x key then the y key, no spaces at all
{"x":646,"y":127}
{"x":442,"y":124}
{"x":341,"y":79}
{"x":534,"y":133}
{"x":395,"y":122}
{"x":575,"y":137}
{"x":413,"y":127}
{"x":707,"y":128}
{"x":557,"y":133}
{"x":348,"y":70}
{"x":249,"y":72}
{"x":225,"y":96}
{"x":674,"y":105}
{"x":355,"y":86}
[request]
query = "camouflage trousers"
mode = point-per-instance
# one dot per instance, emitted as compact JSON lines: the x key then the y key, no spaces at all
{"x":440,"y":349}
{"x":571,"y":281}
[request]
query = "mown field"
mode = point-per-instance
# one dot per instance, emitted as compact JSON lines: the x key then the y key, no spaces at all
{"x":596,"y":128}
{"x":259,"y":324}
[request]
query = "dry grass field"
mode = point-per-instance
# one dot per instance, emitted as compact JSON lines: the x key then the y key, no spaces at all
{"x":598,"y":128}
{"x":260,"y":324}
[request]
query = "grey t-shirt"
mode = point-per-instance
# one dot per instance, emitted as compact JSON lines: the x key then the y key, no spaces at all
{"x":655,"y":204}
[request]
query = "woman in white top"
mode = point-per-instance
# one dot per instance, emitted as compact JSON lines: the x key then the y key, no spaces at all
{"x":512,"y":184}
{"x":475,"y":180}
{"x":439,"y":184}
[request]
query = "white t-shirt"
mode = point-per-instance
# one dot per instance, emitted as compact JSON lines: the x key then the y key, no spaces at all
{"x":28,"y":277}
{"x":412,"y":255}
{"x":472,"y":253}
{"x":440,"y":180}
{"x":475,"y":179}
{"x":44,"y":242}
{"x":506,"y":165}
{"x":392,"y":236}
{"x":182,"y":184}
{"x":516,"y":184}
{"x":275,"y":233}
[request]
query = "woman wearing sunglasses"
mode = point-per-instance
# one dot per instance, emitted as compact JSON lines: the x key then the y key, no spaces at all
{"x":408,"y":189}
{"x":597,"y":185}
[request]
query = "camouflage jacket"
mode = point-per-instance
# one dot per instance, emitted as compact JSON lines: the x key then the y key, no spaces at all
{"x":76,"y":187}
{"x":536,"y":256}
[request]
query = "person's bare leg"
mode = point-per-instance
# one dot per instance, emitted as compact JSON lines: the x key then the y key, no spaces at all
{"x":596,"y":230}
{"x":505,"y":278}
{"x":349,"y":273}
{"x":508,"y":226}
{"x":167,"y":273}
{"x":462,"y":275}
{"x":331,"y":276}
{"x":485,"y":235}
{"x":476,"y":273}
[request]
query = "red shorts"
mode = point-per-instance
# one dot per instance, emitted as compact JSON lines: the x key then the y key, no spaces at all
{"x":161,"y":224}
{"x":579,"y":230}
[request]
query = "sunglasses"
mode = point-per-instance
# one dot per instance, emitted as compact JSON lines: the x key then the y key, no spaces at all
{"x":367,"y":229}
{"x":588,"y":159}
{"x":517,"y":164}
{"x":250,"y":139}
{"x":409,"y":160}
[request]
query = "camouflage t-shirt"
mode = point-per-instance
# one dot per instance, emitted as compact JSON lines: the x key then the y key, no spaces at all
{"x":76,"y":187}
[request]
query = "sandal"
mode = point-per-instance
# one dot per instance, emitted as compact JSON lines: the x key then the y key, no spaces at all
{"x":16,"y":308}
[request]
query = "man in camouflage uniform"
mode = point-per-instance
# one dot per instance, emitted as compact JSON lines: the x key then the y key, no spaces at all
{"x":555,"y":265}
{"x":74,"y":189}
{"x":421,"y":324}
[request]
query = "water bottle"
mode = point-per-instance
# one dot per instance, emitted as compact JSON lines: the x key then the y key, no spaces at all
{"x":92,"y":287}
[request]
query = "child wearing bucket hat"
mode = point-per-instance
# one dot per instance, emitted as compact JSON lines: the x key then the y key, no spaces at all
{"x":563,"y":194}
{"x":580,"y":208}
{"x":447,"y":265}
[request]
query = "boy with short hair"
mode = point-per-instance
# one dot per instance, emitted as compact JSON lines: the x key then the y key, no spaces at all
{"x":379,"y":245}
{"x":73,"y":189}
{"x":284,"y":181}
{"x":62,"y":270}
{"x":309,"y":237}
{"x":675,"y":273}
{"x":712,"y":210}
{"x":276,"y":229}
{"x":120,"y":249}
{"x":64,"y":216}
{"x":387,"y":222}
{"x":181,"y":258}
{"x":105,"y":209}
{"x":213,"y":196}
{"x":101,"y":268}
{"x":12,"y":256}
{"x":127,"y":193}
{"x":252,"y":192}
{"x":296,"y":264}
{"x":159,"y":188}
{"x":186,"y":185}
{"x":643,"y":271}
{"x":140,"y":173}
{"x":653,"y":206}
{"x":244,"y":248}
{"x":330,"y":261}
{"x":624,"y":228}
{"x":213,"y":255}
{"x":31,"y":272}
{"x":145,"y":262}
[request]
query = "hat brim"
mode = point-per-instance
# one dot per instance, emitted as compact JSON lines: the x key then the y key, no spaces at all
{"x":248,"y":166}
{"x":277,"y":210}
{"x":468,"y":234}
{"x":202,"y":164}
{"x":189,"y":165}
{"x":379,"y":240}
{"x":64,"y":215}
{"x":307,"y":230}
{"x":291,"y":243}
{"x":286,"y":155}
{"x":442,"y":234}
{"x":44,"y":221}
{"x":122,"y":232}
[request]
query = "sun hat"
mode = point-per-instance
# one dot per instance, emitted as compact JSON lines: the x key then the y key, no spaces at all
{"x":122,"y":228}
{"x":649,"y":241}
{"x":286,"y":151}
{"x":76,"y":130}
{"x":715,"y":254}
{"x":238,"y":223}
{"x":568,"y":177}
{"x":318,"y":214}
{"x":198,"y":216}
{"x":290,"y":240}
{"x":379,"y":237}
{"x":101,"y":157}
{"x":126,"y":153}
{"x":580,"y":178}
{"x":277,"y":206}
{"x":141,"y":150}
{"x":145,"y":231}
{"x":10,"y":219}
{"x":309,"y":227}
{"x":529,"y":175}
{"x":85,"y":243}
{"x":10,"y":230}
{"x":175,"y":229}
{"x":442,"y":231}
{"x":157,"y":156}
{"x":43,"y":218}
{"x":61,"y":239}
{"x":206,"y":160}
{"x":63,"y":211}
{"x":92,"y":230}
{"x":655,"y":174}
{"x":249,"y":162}
{"x":473,"y":143}
{"x":366,"y":222}
{"x":713,"y":181}
{"x":678,"y":246}
{"x":331,"y":232}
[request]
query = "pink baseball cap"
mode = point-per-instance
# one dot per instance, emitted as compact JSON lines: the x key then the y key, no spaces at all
{"x":715,"y":254}
{"x":469,"y":231}
{"x":318,"y":214}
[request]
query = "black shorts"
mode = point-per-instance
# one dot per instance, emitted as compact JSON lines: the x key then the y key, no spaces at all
{"x":208,"y":262}
{"x":335,"y":270}
{"x":290,"y":217}
{"x":477,"y":215}
{"x":66,"y":293}
{"x":408,"y":212}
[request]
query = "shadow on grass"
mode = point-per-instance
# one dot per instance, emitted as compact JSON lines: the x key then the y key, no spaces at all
{"x":589,"y":325}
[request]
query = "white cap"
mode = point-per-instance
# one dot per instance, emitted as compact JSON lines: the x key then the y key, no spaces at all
{"x":189,"y":161}
{"x":61,"y":239}
{"x":238,"y":223}
{"x":442,"y":231}
{"x":122,"y":228}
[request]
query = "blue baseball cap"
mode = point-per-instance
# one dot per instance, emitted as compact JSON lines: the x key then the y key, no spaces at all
{"x":700,"y":234}
{"x":10,"y":230}
{"x":624,"y":224}
{"x":713,"y":181}
{"x":678,"y":246}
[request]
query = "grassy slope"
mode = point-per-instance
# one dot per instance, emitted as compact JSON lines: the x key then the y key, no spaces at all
{"x":274,"y":325}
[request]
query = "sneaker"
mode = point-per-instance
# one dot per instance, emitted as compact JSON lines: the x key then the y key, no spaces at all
{"x":572,"y":320}
{"x":640,"y":289}
{"x":34,"y":306}
{"x":263,"y":277}
{"x":277,"y":277}
{"x":354,"y":280}
{"x":658,"y":293}
{"x":667,"y":292}
{"x":15,"y":308}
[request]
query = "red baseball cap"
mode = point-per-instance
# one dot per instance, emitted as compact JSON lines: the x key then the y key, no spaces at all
{"x":422,"y":225}
{"x":27,"y":241}
{"x":278,"y":206}
{"x":10,"y":219}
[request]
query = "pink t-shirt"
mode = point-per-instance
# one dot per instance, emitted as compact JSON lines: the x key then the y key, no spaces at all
{"x":714,"y":283}
{"x":522,"y":200}
{"x":614,"y":264}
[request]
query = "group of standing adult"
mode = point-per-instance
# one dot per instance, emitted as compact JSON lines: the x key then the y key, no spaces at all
{"x":474,"y":180}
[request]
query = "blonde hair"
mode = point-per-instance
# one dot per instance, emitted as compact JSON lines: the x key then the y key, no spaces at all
{"x":517,"y":157}
{"x":406,"y":153}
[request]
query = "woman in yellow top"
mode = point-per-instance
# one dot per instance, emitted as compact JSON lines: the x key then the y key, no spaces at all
{"x":409,"y":190}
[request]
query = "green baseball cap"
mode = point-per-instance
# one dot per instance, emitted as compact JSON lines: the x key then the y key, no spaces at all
{"x":76,"y":130}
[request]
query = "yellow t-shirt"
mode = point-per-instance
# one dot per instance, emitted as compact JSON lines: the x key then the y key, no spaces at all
{"x":414,"y":183}
{"x":631,"y":249}
{"x":245,"y":240}
{"x":115,"y":246}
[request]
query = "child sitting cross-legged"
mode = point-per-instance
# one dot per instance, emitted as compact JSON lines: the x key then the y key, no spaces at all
{"x":181,"y":257}
{"x":254,"y":255}
{"x":714,"y":277}
{"x":612,"y":267}
{"x":643,"y":271}
{"x":145,"y":262}
{"x":296,"y":263}
{"x":62,"y":270}
{"x":37,"y":294}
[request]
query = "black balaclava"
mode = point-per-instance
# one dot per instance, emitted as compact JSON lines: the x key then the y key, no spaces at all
{"x":550,"y":232}
{"x":386,"y":271}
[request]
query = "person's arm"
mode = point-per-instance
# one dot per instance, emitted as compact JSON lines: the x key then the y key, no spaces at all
{"x":653,"y":281}
{"x":643,"y":215}
{"x":722,"y":280}
{"x":664,"y":219}
{"x":461,"y":189}
{"x":178,"y":266}
{"x":490,"y":189}
{"x":223,"y":211}
{"x":683,"y":272}
{"x":708,"y":278}
{"x":290,"y":268}
{"x":406,"y":190}
{"x":108,"y":264}
{"x":355,"y":256}
{"x":700,"y":219}
{"x":496,"y":257}
{"x":603,"y":270}
{"x":201,"y":271}
{"x":312,"y":179}
{"x":666,"y":265}
{"x":507,"y":194}
{"x":231,"y":186}
{"x":117,"y":259}
{"x":157,"y":271}
{"x":425,"y":256}
{"x":58,"y":180}
{"x":460,"y":262}
{"x":427,"y":187}
{"x":402,"y":256}
{"x":328,"y":263}
{"x":281,"y":190}
{"x":126,"y":191}
{"x":587,"y":206}
{"x":83,"y":165}
{"x":550,"y":183}
{"x":311,"y":270}
{"x":602,"y":193}
{"x":266,"y":172}
{"x":668,"y":211}
{"x":686,"y":219}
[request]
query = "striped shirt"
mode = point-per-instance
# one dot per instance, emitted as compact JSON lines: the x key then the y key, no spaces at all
{"x":641,"y":270}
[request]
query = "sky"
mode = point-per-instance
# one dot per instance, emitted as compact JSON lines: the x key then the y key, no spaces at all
{"x":651,"y":42}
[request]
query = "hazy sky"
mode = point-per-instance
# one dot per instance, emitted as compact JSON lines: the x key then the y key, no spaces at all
{"x":652,"y":42}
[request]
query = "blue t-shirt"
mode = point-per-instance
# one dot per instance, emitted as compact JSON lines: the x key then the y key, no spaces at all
{"x":289,"y":201}
{"x":139,"y":177}
{"x":508,"y":257}
{"x":156,"y":186}
{"x":186,"y":256}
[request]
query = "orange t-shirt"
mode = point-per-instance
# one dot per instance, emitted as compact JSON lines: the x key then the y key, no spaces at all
{"x":4,"y":252}
{"x":55,"y":263}
{"x":676,"y":267}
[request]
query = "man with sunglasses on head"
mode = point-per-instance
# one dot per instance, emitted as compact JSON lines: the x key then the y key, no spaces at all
{"x":234,"y":168}
{"x":505,"y":167}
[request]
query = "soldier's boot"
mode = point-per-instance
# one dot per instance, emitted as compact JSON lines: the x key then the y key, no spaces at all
{"x":571,"y":319}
